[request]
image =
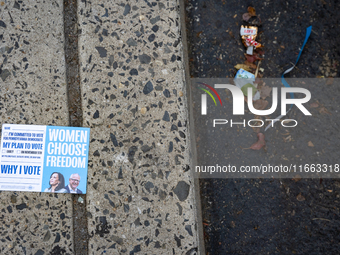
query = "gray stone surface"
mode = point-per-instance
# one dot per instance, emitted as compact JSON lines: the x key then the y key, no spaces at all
{"x":140,"y":189}
{"x":33,"y":91}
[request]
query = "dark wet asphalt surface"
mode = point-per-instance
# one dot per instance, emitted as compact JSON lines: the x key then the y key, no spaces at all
{"x":270,"y":216}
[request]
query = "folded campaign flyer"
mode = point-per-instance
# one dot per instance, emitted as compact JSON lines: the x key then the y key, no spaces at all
{"x":44,"y":158}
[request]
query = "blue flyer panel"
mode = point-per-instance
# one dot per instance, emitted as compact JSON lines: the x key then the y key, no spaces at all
{"x":44,"y":158}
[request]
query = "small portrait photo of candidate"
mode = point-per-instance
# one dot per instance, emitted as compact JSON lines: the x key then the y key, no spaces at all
{"x":73,"y":184}
{"x":57,"y":183}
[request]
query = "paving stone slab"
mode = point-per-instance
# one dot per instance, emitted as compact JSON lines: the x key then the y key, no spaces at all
{"x":140,"y":189}
{"x":33,"y":91}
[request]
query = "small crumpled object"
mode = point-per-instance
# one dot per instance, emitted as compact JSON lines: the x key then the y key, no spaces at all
{"x":251,"y":43}
{"x":260,"y":143}
{"x":246,"y":16}
{"x":250,"y":65}
{"x":248,"y":32}
{"x":260,"y":104}
{"x":253,"y":58}
{"x":244,"y":78}
{"x":248,"y":35}
{"x":251,"y":11}
{"x":245,"y":89}
{"x":265,"y":91}
{"x":242,"y":66}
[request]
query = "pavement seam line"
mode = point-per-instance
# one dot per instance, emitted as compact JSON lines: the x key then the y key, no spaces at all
{"x":75,"y":115}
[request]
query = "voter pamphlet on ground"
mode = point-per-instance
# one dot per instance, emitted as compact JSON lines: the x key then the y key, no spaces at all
{"x":44,"y":158}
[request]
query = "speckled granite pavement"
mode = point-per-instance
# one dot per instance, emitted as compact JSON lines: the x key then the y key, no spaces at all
{"x":33,"y":91}
{"x":140,"y":189}
{"x":141,"y":197}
